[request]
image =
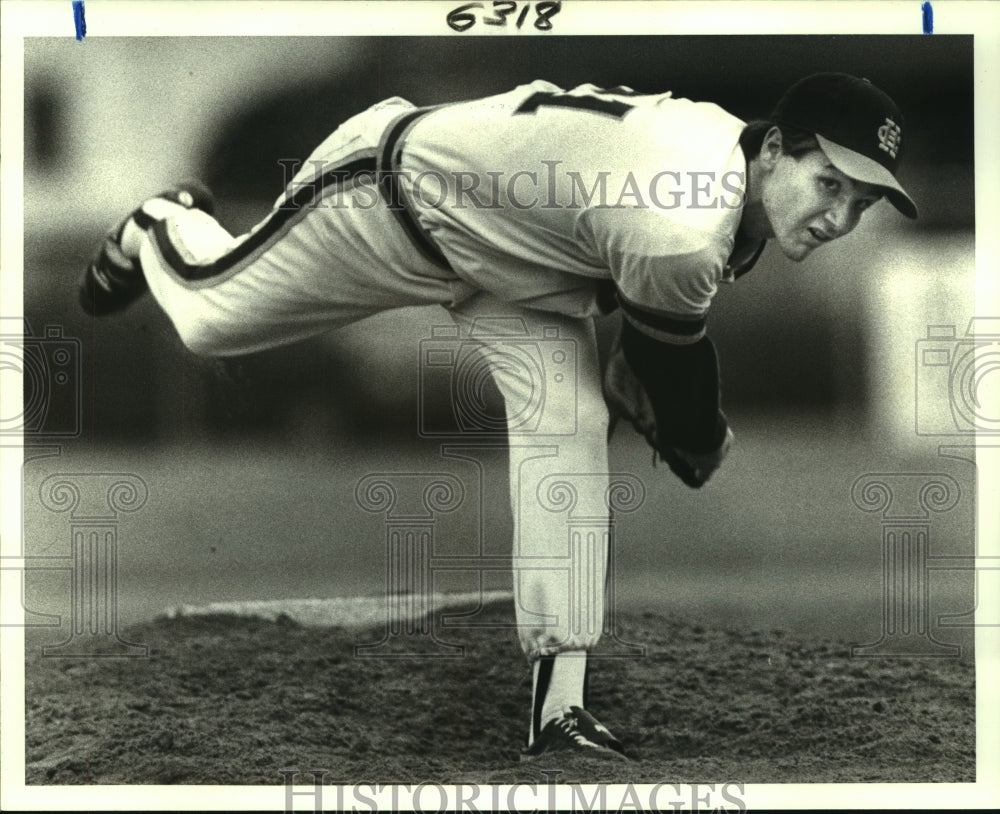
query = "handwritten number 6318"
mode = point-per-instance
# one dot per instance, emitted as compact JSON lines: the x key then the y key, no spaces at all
{"x":462,"y":18}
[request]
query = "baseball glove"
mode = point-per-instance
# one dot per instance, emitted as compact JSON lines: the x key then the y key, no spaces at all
{"x":626,"y":398}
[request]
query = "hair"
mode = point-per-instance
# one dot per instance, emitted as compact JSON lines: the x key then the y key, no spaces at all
{"x":794,"y":142}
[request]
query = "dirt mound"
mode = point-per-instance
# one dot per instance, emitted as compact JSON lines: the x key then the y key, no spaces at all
{"x":234,"y":700}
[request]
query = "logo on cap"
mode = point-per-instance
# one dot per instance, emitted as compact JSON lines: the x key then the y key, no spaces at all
{"x":890,"y":137}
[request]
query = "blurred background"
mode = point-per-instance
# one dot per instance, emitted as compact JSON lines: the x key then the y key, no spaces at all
{"x":252,"y":465}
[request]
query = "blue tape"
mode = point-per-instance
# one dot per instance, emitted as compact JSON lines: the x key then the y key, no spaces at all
{"x":928,"y":15}
{"x":79,"y":20}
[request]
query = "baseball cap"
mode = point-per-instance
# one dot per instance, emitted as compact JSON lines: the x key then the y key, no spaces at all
{"x":858,"y":127}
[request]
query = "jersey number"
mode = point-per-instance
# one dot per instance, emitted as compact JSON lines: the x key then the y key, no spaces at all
{"x":592,"y":104}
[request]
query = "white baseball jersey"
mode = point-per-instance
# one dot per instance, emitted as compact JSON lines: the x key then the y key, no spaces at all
{"x":536,"y":193}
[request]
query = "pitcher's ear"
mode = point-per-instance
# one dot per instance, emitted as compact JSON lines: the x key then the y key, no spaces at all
{"x":772,"y":147}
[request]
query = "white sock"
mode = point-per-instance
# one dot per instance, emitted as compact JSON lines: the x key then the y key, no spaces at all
{"x":132,"y":235}
{"x":565,"y":675}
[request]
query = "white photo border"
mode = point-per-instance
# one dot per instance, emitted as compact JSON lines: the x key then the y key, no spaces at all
{"x":112,"y":18}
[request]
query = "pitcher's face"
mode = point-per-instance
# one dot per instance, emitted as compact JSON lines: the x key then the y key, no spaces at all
{"x":809,"y":202}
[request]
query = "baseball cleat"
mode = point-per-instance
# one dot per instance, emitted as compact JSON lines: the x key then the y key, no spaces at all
{"x":578,"y":732}
{"x":114,"y":280}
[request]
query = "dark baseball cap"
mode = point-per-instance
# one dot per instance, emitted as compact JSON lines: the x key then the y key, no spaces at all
{"x":858,"y":127}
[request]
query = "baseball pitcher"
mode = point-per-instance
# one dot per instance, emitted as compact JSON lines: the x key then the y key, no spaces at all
{"x":553,"y":207}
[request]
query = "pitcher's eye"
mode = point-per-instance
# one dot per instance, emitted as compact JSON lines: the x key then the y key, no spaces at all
{"x":831,"y":185}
